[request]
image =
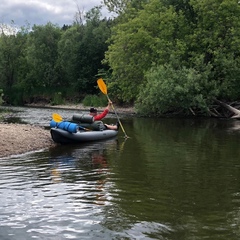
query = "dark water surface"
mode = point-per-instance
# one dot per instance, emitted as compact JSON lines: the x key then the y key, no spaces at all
{"x":174,"y":179}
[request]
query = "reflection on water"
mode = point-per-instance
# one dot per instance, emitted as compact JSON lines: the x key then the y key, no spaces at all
{"x":175,"y":179}
{"x":65,"y":192}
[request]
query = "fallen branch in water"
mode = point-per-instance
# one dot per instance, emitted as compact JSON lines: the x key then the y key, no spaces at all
{"x":232,"y":111}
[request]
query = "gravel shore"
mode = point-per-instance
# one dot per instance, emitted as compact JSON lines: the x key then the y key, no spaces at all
{"x":21,"y":138}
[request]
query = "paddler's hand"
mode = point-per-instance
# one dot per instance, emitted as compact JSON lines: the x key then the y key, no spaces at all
{"x":109,"y":105}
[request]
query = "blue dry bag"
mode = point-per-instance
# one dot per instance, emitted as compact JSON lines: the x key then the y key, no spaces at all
{"x":67,"y":126}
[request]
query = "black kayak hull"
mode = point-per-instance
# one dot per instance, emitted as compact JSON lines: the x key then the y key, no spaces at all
{"x":65,"y":137}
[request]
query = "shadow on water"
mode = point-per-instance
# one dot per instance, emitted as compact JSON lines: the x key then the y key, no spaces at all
{"x":12,"y":119}
{"x":11,"y":116}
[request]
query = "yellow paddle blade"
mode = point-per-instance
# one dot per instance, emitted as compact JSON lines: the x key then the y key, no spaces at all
{"x":56,"y":117}
{"x":102,"y":86}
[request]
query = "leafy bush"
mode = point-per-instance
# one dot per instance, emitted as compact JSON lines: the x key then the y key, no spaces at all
{"x":94,"y":100}
{"x":57,"y":99}
{"x":168,"y":90}
{"x":14,"y":95}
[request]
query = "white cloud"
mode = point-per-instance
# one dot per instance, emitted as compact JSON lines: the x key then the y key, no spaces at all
{"x":42,"y":11}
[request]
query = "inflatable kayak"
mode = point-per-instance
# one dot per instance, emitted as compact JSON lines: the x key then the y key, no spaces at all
{"x":80,"y":129}
{"x":63,"y":136}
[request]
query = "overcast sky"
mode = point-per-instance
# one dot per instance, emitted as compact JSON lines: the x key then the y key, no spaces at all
{"x":40,"y":12}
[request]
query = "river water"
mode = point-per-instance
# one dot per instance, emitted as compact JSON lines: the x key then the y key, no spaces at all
{"x":173,"y":179}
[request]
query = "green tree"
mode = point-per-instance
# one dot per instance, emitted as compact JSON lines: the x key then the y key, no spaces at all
{"x":91,"y":50}
{"x":186,"y":35}
{"x":171,"y":90}
{"x":12,"y":48}
{"x":216,"y":35}
{"x":67,"y":56}
{"x":81,"y":50}
{"x":152,"y":37}
{"x":41,"y":56}
{"x":121,"y":6}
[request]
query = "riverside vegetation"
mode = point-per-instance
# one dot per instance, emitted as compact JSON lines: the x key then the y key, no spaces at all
{"x":163,"y":57}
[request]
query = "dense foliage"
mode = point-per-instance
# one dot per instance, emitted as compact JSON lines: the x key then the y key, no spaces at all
{"x":177,"y":54}
{"x":49,"y":62}
{"x":164,"y":56}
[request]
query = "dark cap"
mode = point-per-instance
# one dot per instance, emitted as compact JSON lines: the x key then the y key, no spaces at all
{"x":93,"y":110}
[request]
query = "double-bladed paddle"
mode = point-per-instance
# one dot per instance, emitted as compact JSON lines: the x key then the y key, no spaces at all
{"x":103,"y":87}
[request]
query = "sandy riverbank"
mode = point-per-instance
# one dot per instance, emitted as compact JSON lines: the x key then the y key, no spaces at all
{"x":22,"y":138}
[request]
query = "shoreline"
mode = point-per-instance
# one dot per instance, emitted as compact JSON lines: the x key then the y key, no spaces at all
{"x":130,"y":111}
{"x":23,"y":138}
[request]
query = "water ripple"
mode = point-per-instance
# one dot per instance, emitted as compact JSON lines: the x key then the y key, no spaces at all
{"x":42,"y":199}
{"x":161,"y":186}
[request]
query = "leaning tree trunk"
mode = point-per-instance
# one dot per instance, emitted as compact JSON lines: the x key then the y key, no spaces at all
{"x":234,"y":112}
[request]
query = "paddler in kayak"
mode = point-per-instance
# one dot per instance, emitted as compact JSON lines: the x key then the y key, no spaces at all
{"x":97,"y":117}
